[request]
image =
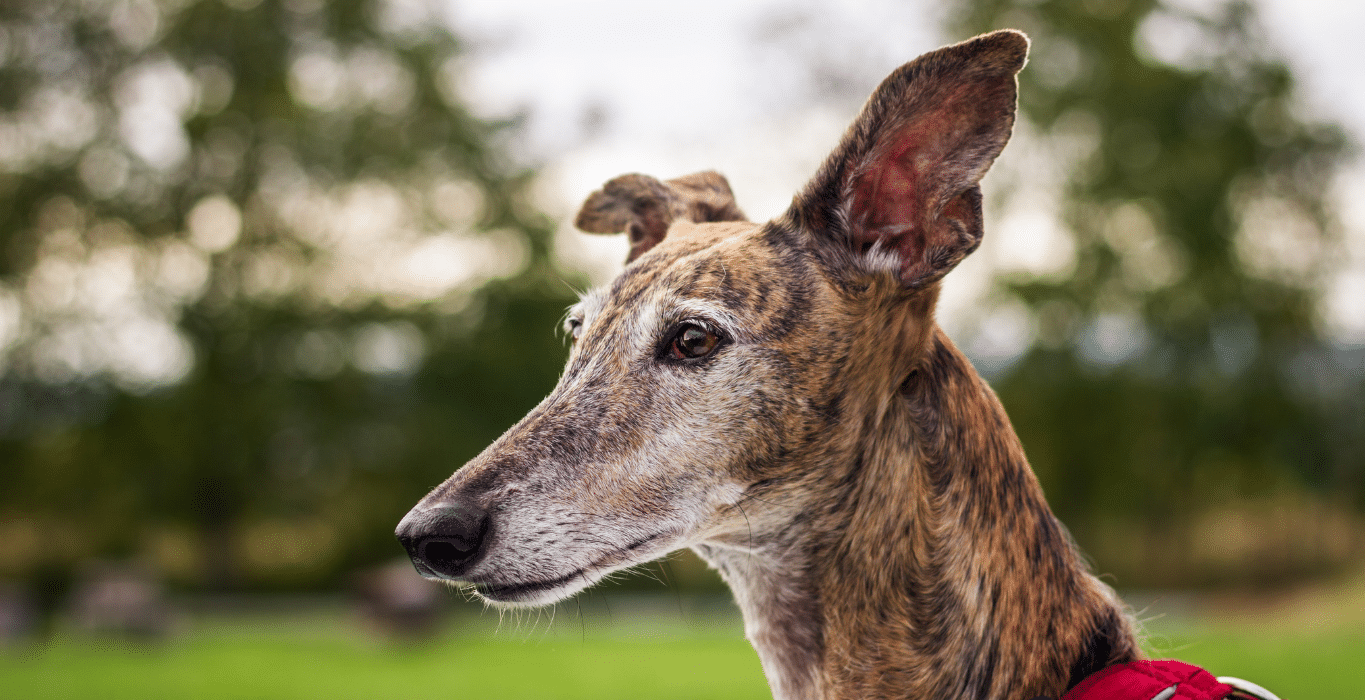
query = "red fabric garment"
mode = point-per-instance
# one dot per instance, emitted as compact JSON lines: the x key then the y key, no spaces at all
{"x":1144,"y":680}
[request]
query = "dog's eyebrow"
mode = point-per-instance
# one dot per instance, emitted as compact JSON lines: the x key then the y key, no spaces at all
{"x":589,"y":304}
{"x":710,"y":311}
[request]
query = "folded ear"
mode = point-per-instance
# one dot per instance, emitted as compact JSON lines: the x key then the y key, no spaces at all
{"x":644,"y":207}
{"x":903,"y":181}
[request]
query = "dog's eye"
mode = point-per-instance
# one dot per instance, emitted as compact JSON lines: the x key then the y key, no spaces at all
{"x":574,"y":327}
{"x":693,"y":341}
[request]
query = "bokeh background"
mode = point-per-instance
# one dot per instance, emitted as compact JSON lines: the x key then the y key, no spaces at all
{"x":271,"y":269}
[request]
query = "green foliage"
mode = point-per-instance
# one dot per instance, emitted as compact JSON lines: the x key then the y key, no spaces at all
{"x":225,"y":346}
{"x":320,"y":398}
{"x":1177,"y":366}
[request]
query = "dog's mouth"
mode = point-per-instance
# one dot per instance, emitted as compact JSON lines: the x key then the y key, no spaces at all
{"x":548,"y":590}
{"x":518,"y":592}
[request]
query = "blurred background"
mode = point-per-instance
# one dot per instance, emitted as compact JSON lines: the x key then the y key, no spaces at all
{"x":272,"y":269}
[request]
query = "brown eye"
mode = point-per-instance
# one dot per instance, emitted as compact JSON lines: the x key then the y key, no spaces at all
{"x":692,"y":342}
{"x":574,"y":327}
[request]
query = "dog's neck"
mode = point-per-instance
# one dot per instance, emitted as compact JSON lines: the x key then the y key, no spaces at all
{"x":937,"y":572}
{"x":783,"y":613}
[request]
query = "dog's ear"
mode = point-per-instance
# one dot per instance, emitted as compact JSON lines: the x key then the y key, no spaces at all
{"x":903,"y":181}
{"x":644,"y":207}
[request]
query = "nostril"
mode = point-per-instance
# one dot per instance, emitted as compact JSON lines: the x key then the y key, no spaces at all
{"x":444,"y":541}
{"x":445,"y":554}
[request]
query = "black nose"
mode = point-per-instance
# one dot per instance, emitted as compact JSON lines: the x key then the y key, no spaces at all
{"x":446,"y":540}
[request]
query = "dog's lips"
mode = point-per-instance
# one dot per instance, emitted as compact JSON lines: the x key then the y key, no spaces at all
{"x":511,"y":592}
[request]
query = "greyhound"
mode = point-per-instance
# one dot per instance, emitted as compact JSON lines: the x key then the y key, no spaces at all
{"x":779,"y":398}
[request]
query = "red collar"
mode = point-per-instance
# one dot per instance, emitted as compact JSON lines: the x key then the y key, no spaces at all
{"x":1166,"y":679}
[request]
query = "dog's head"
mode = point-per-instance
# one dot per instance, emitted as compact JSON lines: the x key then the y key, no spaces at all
{"x":731,"y":367}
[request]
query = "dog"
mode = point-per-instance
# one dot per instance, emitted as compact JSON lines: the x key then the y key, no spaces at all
{"x":778,"y":397}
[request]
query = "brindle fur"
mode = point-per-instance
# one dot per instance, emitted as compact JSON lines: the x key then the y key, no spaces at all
{"x":838,"y":460}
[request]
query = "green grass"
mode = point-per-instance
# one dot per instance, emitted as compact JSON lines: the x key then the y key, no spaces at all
{"x":1301,"y":645}
{"x":263,"y":665}
{"x":1308,"y":653}
{"x":1295,"y":665}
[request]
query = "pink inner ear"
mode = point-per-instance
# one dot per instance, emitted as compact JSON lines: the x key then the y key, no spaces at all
{"x":893,"y":200}
{"x":888,"y":201}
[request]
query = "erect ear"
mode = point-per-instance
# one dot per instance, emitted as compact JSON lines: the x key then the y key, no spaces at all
{"x":644,"y":207}
{"x":903,"y":180}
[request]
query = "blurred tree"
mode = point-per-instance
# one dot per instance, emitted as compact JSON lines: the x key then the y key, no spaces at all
{"x":1177,"y":365}
{"x":263,"y":281}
